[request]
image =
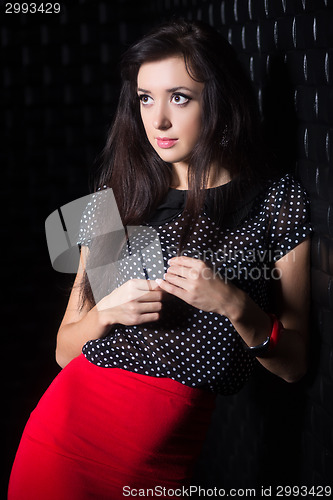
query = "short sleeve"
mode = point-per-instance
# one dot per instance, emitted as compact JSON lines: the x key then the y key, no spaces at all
{"x":90,"y":220}
{"x":289,"y":216}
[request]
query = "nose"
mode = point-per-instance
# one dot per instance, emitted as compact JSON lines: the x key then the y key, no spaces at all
{"x":161,"y":120}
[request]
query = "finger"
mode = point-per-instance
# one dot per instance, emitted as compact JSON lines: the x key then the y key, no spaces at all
{"x":189,"y":273}
{"x":182,"y":271}
{"x":149,"y":307}
{"x":177,"y":281}
{"x":149,"y":317}
{"x":172,"y":289}
{"x":184,"y":261}
{"x":151,"y":296}
{"x":144,"y":284}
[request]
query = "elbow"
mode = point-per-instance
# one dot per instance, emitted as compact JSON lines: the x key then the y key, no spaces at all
{"x":296,"y":375}
{"x":63,"y":358}
{"x":63,"y":351}
{"x":298,"y":365}
{"x":293,"y":379}
{"x":60,"y":357}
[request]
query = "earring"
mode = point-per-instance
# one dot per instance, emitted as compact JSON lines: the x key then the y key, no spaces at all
{"x":224,"y":141}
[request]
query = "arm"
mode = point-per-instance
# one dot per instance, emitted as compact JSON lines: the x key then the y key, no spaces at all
{"x":135,"y":302}
{"x":291,"y":296}
{"x":77,"y":326}
{"x":192,"y":281}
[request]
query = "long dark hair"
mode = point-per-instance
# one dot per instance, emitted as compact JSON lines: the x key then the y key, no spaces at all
{"x":230,"y":134}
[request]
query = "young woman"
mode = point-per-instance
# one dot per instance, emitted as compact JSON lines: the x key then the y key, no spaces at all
{"x":143,"y":363}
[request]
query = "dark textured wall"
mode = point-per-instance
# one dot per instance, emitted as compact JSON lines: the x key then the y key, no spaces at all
{"x":59,"y":88}
{"x":272,"y":433}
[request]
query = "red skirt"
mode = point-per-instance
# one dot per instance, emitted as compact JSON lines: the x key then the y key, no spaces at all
{"x":104,"y":433}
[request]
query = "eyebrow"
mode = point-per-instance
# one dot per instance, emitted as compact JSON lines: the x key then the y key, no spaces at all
{"x":174,"y":89}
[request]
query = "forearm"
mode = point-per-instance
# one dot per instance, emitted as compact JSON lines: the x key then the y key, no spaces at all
{"x":72,"y":336}
{"x":289,"y":358}
{"x":135,"y":302}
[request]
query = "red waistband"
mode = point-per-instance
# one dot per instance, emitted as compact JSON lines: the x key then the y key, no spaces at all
{"x":159,"y":383}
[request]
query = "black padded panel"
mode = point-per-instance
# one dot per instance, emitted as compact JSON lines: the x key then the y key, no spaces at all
{"x":59,"y":84}
{"x":59,"y":88}
{"x":272,"y":432}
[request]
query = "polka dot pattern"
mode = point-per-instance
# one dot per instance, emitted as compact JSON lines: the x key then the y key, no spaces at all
{"x":194,"y":347}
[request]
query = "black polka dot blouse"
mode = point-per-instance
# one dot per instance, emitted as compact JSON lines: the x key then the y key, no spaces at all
{"x":194,"y":347}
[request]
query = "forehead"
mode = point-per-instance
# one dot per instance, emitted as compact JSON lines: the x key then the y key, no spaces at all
{"x":166,"y":73}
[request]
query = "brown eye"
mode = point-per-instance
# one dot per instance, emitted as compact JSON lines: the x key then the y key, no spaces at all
{"x":145,"y":99}
{"x":180,"y":99}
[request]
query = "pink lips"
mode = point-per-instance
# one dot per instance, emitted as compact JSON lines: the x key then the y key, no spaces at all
{"x":165,"y":142}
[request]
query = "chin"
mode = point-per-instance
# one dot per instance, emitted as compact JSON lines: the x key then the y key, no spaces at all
{"x":170,"y":156}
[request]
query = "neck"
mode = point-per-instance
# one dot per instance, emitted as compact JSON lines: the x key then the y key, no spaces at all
{"x":179,"y":178}
{"x":217,"y":176}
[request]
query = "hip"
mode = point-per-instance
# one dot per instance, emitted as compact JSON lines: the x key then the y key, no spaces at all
{"x":150,"y":427}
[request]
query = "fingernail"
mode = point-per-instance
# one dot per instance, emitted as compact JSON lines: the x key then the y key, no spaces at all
{"x":158,"y":281}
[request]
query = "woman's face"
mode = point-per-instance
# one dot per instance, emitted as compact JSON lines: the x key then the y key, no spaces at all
{"x":171,"y":107}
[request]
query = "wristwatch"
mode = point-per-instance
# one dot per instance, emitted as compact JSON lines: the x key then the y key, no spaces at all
{"x":258,"y":351}
{"x":261,"y":350}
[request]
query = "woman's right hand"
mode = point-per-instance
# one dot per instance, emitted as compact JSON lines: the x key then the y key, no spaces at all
{"x":136,"y":301}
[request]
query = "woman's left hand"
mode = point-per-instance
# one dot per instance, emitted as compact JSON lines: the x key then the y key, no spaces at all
{"x":195,"y":282}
